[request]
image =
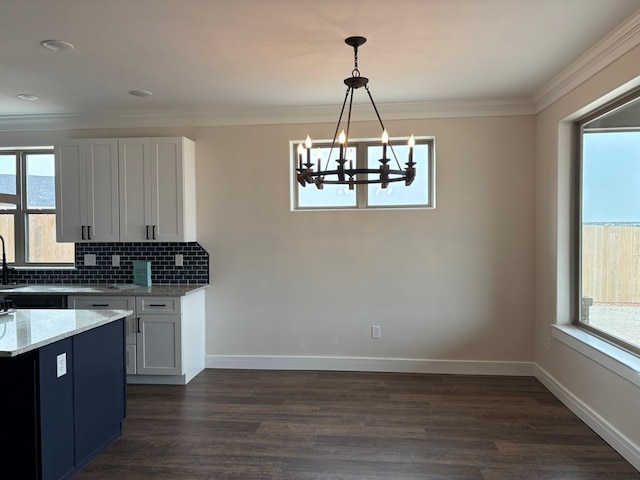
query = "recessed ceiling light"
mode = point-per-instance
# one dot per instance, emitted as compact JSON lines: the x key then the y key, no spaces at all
{"x":140,"y":93}
{"x":57,"y":45}
{"x":27,"y":96}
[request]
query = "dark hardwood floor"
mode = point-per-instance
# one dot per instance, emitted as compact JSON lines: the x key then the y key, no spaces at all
{"x":246,"y":425}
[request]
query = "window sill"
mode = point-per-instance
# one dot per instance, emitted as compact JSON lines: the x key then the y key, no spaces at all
{"x":613,"y":358}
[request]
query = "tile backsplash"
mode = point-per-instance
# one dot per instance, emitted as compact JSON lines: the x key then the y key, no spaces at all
{"x":195,"y":268}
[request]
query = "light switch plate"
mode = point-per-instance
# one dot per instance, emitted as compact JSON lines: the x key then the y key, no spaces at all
{"x":61,"y":367}
{"x":115,"y":260}
{"x":89,"y":259}
{"x":179,"y":260}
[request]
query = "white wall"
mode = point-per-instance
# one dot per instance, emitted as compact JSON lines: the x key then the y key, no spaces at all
{"x":608,"y":402}
{"x":450,"y":284}
{"x":454,"y":283}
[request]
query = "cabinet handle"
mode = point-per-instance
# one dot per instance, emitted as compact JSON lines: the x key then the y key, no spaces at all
{"x":157,"y":304}
{"x":147,"y":234}
{"x":138,"y":319}
{"x":89,"y":232}
{"x":154,"y":232}
{"x":83,"y":232}
{"x":100,"y":305}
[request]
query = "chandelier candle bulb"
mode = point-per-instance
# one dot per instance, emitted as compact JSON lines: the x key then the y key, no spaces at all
{"x":308,"y":144}
{"x":385,"y":141}
{"x":411,"y":142}
{"x":342,"y":139}
{"x":300,"y":148}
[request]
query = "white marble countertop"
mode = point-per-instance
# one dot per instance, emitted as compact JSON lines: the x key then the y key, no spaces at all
{"x":25,"y":330}
{"x":121,"y":289}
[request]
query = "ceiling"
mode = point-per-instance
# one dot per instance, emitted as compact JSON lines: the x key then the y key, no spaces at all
{"x":211,"y":60}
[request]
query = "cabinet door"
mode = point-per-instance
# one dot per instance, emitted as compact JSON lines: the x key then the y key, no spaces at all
{"x":87,"y":191}
{"x":99,"y":401}
{"x":130,"y":360}
{"x":102,"y":203}
{"x":159,"y":345}
{"x":167,"y":190}
{"x":71,"y":193}
{"x":135,"y":189}
{"x":57,"y":437}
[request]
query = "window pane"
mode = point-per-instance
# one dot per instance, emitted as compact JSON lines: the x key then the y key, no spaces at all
{"x":611,"y":233}
{"x":8,"y":233}
{"x":42,"y":246}
{"x":8,"y":173}
{"x":40,"y":181}
{"x":397,"y":194}
{"x":330,"y":195}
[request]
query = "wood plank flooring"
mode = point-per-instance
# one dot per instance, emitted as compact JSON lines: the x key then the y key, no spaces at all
{"x":255,"y":425}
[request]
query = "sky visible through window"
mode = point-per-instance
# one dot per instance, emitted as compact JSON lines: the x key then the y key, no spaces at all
{"x":611,"y":177}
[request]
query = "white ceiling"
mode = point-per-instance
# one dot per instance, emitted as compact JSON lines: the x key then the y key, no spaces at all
{"x":210,"y":59}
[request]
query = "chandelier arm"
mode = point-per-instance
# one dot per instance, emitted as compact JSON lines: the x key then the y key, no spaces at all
{"x":335,"y":134}
{"x":366,"y":87}
{"x":346,"y":144}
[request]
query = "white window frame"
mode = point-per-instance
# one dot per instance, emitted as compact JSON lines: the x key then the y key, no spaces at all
{"x":361,"y":191}
{"x":21,"y":212}
{"x":578,"y":304}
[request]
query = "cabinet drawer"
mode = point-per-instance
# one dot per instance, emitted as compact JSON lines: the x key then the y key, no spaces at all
{"x":102,"y":303}
{"x":158,"y":305}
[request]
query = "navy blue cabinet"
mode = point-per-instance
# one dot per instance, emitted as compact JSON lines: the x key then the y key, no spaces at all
{"x":63,"y":403}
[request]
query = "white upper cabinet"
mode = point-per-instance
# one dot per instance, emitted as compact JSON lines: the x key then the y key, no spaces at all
{"x":87,"y":191}
{"x":139,"y":190}
{"x":157,"y":189}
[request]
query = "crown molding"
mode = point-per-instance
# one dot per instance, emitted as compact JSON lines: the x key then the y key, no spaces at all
{"x":267,"y":116}
{"x":613,"y":46}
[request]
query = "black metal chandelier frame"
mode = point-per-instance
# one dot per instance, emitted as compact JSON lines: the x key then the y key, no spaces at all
{"x":344,"y":174}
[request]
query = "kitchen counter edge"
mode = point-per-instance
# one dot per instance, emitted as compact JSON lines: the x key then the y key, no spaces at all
{"x":33,"y":333}
{"x":126,"y":290}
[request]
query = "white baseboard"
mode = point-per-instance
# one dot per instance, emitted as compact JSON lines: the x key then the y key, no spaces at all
{"x":625,"y":447}
{"x":363,"y":364}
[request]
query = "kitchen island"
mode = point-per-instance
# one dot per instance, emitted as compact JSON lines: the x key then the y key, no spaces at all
{"x":63,"y":396}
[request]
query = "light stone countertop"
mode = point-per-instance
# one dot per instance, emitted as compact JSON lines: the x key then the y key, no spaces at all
{"x":25,"y":330}
{"x":121,"y":289}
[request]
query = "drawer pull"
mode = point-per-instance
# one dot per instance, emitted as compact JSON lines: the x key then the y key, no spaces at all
{"x":100,"y":305}
{"x":157,"y":304}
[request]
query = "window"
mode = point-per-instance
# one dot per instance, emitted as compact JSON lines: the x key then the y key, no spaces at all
{"x":27,"y":208}
{"x":365,"y":154}
{"x":607,"y":223}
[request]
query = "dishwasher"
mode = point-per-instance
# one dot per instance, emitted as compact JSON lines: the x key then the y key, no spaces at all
{"x":36,"y":301}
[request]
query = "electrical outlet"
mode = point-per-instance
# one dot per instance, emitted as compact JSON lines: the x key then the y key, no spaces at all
{"x":89,"y":259}
{"x":376,"y":332}
{"x":179,"y":260}
{"x":61,"y":365}
{"x":115,"y":260}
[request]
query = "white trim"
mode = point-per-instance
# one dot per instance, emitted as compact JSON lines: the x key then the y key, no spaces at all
{"x":613,"y":358}
{"x":158,"y":379}
{"x":613,"y":46}
{"x":267,"y":116}
{"x":366,"y":364}
{"x":618,"y":441}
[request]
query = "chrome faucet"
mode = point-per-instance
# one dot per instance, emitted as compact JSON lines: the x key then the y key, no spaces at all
{"x":5,"y":267}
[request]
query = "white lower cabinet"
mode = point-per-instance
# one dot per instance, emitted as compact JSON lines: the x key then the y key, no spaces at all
{"x":159,"y":336}
{"x":114,"y":303}
{"x":165,"y":335}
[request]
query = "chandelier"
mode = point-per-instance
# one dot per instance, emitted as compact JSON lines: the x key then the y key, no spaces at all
{"x":343,"y":173}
